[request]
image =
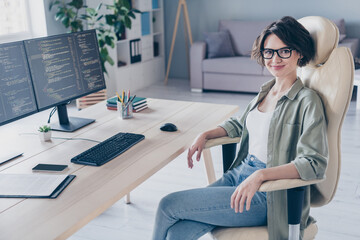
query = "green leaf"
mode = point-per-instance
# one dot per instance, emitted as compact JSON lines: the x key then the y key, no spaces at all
{"x":101,"y":43}
{"x":98,"y":7}
{"x":110,"y":60}
{"x":99,"y":18}
{"x":131,"y":14}
{"x":71,"y":13}
{"x":91,"y":11}
{"x":110,"y":19}
{"x":53,"y":3}
{"x":59,"y":15}
{"x":66,"y":21}
{"x":85,"y":17}
{"x":77,"y":3}
{"x":122,"y":12}
{"x":126,"y":4}
{"x":108,"y":40}
{"x":104,"y":53}
{"x":127,"y":22}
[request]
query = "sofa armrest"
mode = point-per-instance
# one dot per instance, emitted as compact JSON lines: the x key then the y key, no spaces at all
{"x":197,"y":55}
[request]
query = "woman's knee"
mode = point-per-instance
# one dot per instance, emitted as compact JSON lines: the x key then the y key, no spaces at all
{"x":169,"y":203}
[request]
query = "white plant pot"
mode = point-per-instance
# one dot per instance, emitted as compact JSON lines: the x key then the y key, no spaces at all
{"x":45,"y":136}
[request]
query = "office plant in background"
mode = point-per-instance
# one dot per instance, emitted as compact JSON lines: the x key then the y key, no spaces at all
{"x":75,"y":15}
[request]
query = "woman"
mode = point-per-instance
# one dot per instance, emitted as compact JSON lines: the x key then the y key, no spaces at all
{"x":283,"y":136}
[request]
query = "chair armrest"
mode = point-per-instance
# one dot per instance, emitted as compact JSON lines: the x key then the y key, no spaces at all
{"x":221,"y":141}
{"x":284,"y":184}
{"x":267,"y":186}
{"x":197,"y":55}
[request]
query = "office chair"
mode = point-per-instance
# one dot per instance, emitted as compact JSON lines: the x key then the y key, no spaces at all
{"x":331,"y":75}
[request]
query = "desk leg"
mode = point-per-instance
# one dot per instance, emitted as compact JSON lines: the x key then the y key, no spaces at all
{"x":127,"y":199}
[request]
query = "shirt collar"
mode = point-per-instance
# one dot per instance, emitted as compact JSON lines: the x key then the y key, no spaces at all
{"x":291,"y":94}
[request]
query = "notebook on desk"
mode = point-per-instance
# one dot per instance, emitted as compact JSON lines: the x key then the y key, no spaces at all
{"x":33,"y":185}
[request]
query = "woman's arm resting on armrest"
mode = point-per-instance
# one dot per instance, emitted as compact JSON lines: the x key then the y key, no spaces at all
{"x":199,"y":143}
{"x":246,"y":190}
{"x":220,"y":141}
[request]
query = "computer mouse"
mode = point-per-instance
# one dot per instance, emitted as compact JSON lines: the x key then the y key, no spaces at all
{"x":168,"y":127}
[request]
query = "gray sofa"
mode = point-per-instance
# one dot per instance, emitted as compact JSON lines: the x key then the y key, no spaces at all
{"x":237,"y":71}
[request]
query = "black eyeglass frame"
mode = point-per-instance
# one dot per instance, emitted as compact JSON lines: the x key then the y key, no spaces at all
{"x":277,"y":52}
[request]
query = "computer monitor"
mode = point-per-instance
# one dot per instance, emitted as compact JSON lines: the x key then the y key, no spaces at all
{"x":17,"y":98}
{"x":65,"y":67}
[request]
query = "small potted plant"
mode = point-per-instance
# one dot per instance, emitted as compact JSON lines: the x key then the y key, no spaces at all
{"x":45,"y":133}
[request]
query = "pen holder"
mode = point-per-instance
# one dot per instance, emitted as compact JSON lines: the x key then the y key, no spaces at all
{"x":125,"y":111}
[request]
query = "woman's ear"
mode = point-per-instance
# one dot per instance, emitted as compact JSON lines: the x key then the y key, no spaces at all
{"x":299,"y":62}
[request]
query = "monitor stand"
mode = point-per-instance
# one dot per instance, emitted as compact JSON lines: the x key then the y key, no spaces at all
{"x":69,"y":124}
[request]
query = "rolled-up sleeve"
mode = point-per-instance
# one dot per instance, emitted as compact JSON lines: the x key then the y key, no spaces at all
{"x":233,"y":127}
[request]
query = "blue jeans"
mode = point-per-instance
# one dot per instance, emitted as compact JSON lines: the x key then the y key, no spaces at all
{"x":190,"y":214}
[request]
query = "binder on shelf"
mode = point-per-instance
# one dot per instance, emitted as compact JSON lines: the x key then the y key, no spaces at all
{"x":33,"y":185}
{"x":145,"y":23}
{"x":155,"y":4}
{"x":135,"y":52}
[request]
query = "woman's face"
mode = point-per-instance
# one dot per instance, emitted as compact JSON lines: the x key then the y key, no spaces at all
{"x":279,"y":67}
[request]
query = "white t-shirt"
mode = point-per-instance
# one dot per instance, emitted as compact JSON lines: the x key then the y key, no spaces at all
{"x":258,"y":126}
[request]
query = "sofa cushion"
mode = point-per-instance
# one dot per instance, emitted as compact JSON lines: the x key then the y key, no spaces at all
{"x":342,"y":37}
{"x":340,"y":23}
{"x":352,"y":43}
{"x":218,"y":44}
{"x":232,"y":65}
{"x":243,"y":34}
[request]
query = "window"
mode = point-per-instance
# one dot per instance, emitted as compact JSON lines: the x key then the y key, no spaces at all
{"x":17,"y":18}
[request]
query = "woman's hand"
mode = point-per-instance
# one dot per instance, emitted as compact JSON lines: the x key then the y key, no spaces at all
{"x":245,"y":192}
{"x":197,"y":146}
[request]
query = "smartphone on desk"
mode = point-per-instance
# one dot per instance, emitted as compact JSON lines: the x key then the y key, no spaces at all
{"x":49,"y":167}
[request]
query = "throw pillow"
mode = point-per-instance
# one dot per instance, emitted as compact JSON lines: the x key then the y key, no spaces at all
{"x":342,"y":37}
{"x":219,"y":44}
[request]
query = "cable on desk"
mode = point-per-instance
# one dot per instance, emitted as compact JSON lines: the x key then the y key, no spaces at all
{"x":54,"y":110}
{"x":85,"y":139}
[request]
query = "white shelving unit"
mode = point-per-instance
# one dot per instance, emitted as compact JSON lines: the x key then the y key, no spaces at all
{"x":151,"y":68}
{"x":148,"y":28}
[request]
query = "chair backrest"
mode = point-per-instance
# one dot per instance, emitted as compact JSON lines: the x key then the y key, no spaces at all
{"x":331,"y":74}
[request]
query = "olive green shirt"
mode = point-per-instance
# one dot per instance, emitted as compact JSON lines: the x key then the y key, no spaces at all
{"x":297,"y":134}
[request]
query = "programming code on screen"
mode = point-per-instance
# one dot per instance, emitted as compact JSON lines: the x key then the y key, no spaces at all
{"x":64,"y":67}
{"x":16,"y":93}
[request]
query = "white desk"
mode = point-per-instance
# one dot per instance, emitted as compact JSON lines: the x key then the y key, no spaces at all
{"x":97,"y":188}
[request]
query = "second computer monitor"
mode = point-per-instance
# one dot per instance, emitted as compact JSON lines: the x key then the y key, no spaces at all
{"x":64,"y":67}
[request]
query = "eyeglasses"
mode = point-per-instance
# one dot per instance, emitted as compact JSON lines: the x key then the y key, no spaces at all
{"x":283,"y":53}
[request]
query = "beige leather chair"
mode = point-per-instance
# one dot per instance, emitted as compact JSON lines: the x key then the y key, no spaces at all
{"x":331,"y":74}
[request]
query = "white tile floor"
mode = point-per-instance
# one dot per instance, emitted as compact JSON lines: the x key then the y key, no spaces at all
{"x":338,"y":220}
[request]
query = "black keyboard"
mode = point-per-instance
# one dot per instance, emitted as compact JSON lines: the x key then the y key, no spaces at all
{"x":108,"y":149}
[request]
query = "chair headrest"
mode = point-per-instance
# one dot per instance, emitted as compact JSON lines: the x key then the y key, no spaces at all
{"x":325,"y":34}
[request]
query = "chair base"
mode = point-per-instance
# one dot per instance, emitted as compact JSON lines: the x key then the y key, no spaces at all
{"x":259,"y":233}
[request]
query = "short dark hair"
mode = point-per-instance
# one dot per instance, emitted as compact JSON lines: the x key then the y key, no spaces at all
{"x":292,"y":33}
